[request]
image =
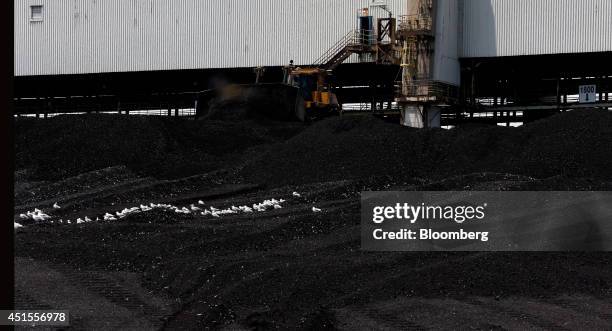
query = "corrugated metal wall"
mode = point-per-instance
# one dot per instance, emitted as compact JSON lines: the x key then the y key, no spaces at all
{"x":92,"y":36}
{"x":531,"y":27}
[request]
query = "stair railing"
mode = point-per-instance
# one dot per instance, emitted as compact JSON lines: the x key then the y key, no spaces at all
{"x":355,"y":37}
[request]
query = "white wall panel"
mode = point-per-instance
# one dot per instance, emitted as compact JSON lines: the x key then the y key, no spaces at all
{"x":92,"y":36}
{"x":531,"y":27}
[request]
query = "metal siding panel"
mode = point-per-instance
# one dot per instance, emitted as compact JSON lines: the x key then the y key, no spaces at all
{"x":526,"y":27}
{"x":92,"y":36}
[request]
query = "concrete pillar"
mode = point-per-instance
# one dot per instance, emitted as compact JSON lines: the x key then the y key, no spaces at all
{"x":434,"y":117}
{"x":417,"y":116}
{"x":411,"y":116}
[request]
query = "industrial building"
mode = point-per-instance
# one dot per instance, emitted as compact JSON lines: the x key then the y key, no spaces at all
{"x":448,"y":60}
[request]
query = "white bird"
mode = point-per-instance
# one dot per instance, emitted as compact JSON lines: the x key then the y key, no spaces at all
{"x":281,"y":201}
{"x":17,"y":225}
{"x":200,"y":202}
{"x":24,"y":216}
{"x":215,"y":214}
{"x":56,"y":206}
{"x":194,"y":208}
{"x":79,"y":221}
{"x":297,"y":195}
{"x":278,"y":207}
{"x":259,"y":208}
{"x":40,"y":216}
{"x":109,"y":217}
{"x":87,"y":219}
{"x":68,"y":221}
{"x":316,"y":210}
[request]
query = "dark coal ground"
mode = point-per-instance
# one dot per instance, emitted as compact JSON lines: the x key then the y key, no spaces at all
{"x":291,"y":268}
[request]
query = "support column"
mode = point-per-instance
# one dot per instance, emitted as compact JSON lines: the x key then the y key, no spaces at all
{"x":373,"y":103}
{"x":48,"y":107}
{"x":601,"y":89}
{"x":558,"y":94}
{"x":434,"y":117}
{"x":412,"y":116}
{"x":420,"y":116}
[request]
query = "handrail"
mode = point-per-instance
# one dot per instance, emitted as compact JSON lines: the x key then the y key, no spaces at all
{"x":339,"y":45}
{"x":352,"y":38}
{"x":426,"y":88}
{"x":416,"y":23}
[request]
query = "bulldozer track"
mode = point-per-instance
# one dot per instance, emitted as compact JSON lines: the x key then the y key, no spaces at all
{"x":94,"y":299}
{"x":532,"y":319}
{"x":114,"y":292}
{"x":23,"y":301}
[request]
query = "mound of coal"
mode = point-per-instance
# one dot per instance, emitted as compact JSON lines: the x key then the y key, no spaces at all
{"x":260,"y":101}
{"x":162,"y":147}
{"x":575,"y":144}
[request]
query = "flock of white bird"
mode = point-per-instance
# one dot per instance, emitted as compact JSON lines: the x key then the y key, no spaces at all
{"x":36,"y":215}
{"x":199,"y":209}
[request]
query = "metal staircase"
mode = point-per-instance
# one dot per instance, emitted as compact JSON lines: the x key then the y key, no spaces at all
{"x":354,"y":42}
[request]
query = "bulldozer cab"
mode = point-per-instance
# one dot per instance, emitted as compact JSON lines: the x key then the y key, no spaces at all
{"x":314,"y":89}
{"x":307,"y":84}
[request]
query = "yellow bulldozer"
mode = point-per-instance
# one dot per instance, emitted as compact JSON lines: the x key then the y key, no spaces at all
{"x":305,"y":92}
{"x":314,"y":94}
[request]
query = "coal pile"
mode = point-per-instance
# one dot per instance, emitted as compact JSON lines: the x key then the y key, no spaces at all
{"x":572,"y":145}
{"x":65,"y":146}
{"x":292,"y":268}
{"x":261,"y":101}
